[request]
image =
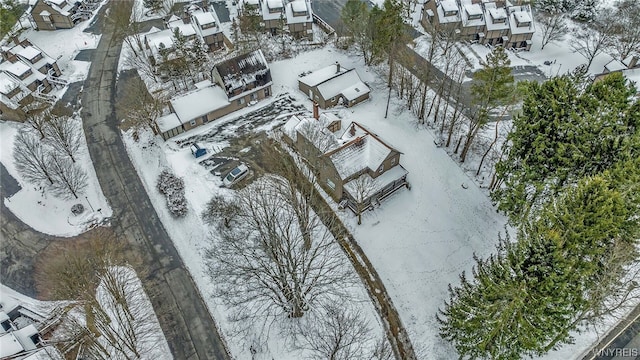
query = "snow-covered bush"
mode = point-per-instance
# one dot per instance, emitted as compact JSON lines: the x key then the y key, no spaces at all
{"x":172,"y":187}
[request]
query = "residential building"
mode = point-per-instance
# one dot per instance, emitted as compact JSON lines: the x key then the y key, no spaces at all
{"x":629,"y":68}
{"x":236,"y":83}
{"x":483,"y":21}
{"x":275,"y":15}
{"x":334,"y":85}
{"x":61,"y":14}
{"x":26,"y":74}
{"x":207,"y":26}
{"x":353,"y":164}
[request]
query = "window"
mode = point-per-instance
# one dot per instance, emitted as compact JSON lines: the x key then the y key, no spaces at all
{"x":393,"y":161}
{"x":381,"y":169}
{"x":205,"y":119}
{"x":192,"y":122}
{"x":241,"y":101}
{"x":331,"y":184}
{"x":46,"y":18}
{"x":254,"y":96}
{"x":266,"y":92}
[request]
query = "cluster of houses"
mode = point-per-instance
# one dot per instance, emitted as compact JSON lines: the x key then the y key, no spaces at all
{"x":196,"y":25}
{"x":275,"y":15}
{"x":490,"y":22}
{"x":27,"y":76}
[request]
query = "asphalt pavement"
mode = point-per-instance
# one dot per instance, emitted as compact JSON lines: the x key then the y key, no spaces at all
{"x":184,"y":317}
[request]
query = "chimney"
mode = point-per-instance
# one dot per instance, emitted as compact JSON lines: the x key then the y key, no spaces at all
{"x":337,"y":67}
{"x":352,"y":131}
{"x":15,"y":40}
{"x":316,"y":112}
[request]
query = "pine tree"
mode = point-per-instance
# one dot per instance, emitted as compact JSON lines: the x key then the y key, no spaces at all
{"x":564,"y":133}
{"x":565,"y":265}
{"x":492,"y":86}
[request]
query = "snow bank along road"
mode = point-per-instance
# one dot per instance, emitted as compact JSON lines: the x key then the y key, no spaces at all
{"x":187,"y":324}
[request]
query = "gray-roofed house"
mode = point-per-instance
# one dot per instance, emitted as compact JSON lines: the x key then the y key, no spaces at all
{"x":334,"y":85}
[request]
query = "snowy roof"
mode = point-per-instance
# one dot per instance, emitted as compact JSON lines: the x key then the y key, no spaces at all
{"x":168,"y":122}
{"x":471,"y":10}
{"x":29,"y":52}
{"x":17,"y":68}
{"x":298,"y":6}
{"x":520,"y":20}
{"x":321,"y":75}
{"x":198,"y":103}
{"x":495,"y":14}
{"x":374,"y":185}
{"x":274,"y":4}
{"x":362,"y":150}
{"x":241,"y":70}
{"x":614,"y":65}
{"x":185,"y":29}
{"x":449,"y":5}
{"x":7,"y":83}
{"x":289,"y":128}
{"x":57,"y":2}
{"x":356,"y":90}
{"x":17,"y":341}
{"x":348,"y":81}
{"x":154,"y":39}
{"x":317,"y":133}
{"x":629,"y":61}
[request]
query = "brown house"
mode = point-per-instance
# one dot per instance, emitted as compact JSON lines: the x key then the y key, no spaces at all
{"x":207,"y":27}
{"x":26,"y":74}
{"x":237,"y":83}
{"x":334,"y":85}
{"x":353,"y":164}
{"x":61,"y":14}
{"x":299,"y":16}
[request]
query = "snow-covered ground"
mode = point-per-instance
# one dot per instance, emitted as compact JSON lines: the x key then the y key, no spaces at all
{"x":41,"y":210}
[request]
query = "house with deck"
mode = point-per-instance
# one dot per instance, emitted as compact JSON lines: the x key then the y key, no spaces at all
{"x":236,"y":83}
{"x":334,"y":85}
{"x":207,"y":26}
{"x":61,"y":14}
{"x":27,"y":74}
{"x":355,"y":166}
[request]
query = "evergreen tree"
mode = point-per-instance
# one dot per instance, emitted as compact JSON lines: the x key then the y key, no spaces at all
{"x":492,"y":87}
{"x":562,"y":272}
{"x":10,"y":12}
{"x":355,"y":17}
{"x":564,"y":133}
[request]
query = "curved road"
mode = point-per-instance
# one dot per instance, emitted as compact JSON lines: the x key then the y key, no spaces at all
{"x":183,"y":315}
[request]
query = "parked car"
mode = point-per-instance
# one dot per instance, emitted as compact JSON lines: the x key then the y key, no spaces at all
{"x":235,"y":175}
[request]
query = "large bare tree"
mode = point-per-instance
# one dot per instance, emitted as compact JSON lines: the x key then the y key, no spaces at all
{"x":70,"y":179}
{"x":138,"y":107}
{"x":260,"y":260}
{"x":594,"y":39}
{"x":64,"y":134}
{"x":31,"y":158}
{"x":554,"y":27}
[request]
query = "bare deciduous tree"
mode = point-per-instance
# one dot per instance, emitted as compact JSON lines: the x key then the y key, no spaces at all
{"x":138,"y":107}
{"x":553,"y":26}
{"x":627,"y":28}
{"x":31,"y":159}
{"x":362,"y":188}
{"x":261,"y":262}
{"x":593,"y":40}
{"x":70,"y":179}
{"x":64,"y":135}
{"x":338,"y":333}
{"x":37,"y":118}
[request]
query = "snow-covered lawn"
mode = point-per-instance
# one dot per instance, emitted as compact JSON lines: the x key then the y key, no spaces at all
{"x":42,"y":211}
